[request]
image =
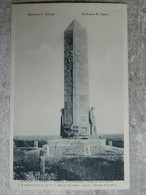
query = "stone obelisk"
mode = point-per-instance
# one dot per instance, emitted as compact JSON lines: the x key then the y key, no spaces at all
{"x":76,"y":84}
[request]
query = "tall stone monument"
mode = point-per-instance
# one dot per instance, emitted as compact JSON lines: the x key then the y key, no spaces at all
{"x":76,"y":85}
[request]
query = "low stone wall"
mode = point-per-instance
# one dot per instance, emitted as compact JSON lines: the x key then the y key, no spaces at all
{"x":75,"y":147}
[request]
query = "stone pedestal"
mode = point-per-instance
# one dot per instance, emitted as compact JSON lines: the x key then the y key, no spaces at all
{"x":75,"y":147}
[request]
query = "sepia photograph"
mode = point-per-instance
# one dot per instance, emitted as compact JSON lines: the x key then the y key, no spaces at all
{"x":69,"y":96}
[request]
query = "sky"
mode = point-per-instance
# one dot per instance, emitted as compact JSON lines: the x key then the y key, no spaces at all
{"x":39,"y":66}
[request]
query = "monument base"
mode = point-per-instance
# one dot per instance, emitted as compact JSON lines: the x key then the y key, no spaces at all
{"x":75,"y":147}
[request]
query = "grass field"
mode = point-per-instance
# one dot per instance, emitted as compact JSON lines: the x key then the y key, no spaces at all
{"x":106,"y":165}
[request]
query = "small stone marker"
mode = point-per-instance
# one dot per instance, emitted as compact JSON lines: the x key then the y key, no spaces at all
{"x":36,"y":144}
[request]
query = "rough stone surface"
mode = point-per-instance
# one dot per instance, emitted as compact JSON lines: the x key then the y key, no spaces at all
{"x":76,"y":85}
{"x":137,"y":101}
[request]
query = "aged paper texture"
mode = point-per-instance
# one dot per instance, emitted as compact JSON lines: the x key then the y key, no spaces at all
{"x":69,"y":96}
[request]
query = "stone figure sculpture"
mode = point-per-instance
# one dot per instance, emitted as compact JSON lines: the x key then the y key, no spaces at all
{"x":62,"y":122}
{"x":92,"y":122}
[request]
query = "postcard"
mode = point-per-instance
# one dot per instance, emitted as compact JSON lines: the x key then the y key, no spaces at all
{"x":69,"y":96}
